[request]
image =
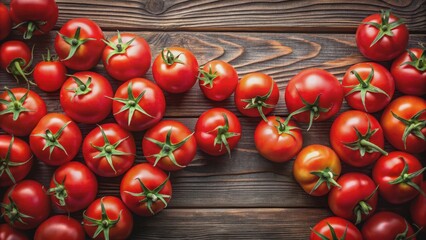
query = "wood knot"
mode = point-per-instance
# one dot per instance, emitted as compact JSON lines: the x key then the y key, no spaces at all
{"x":155,"y":6}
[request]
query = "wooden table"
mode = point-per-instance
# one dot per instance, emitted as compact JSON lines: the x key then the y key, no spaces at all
{"x":246,"y":197}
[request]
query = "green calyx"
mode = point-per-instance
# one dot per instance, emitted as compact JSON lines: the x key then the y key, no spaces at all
{"x":325,"y":176}
{"x":150,"y":197}
{"x":19,"y":68}
{"x":223,"y":134}
{"x":169,"y":58}
{"x":11,"y":211}
{"x":385,"y":28}
{"x":82,"y":88}
{"x":207,"y":78}
{"x":119,"y":48}
{"x":414,"y":126}
{"x":403,"y":235}
{"x":59,"y":190}
{"x":363,"y":207}
{"x":418,"y":63}
{"x":333,"y":233}
{"x":31,"y":27}
{"x":406,"y":178}
{"x":5,"y":162}
{"x":313,"y":108}
{"x":52,"y":139}
{"x":284,"y":128}
{"x":259,"y":102}
{"x":104,"y":224}
{"x":75,"y":42}
{"x":14,"y":106}
{"x":48,"y":57}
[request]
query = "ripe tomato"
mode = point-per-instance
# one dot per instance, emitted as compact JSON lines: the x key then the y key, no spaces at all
{"x":278,"y":140}
{"x":49,"y":74}
{"x":9,"y":233}
{"x":126,"y":56}
{"x":175,"y":70}
{"x":60,"y":227}
{"x":79,"y":44}
{"x":16,"y":58}
{"x":418,"y":209}
{"x":316,"y":169}
{"x":356,"y":199}
{"x":35,"y":17}
{"x":404,"y":124}
{"x":86,"y":97}
{"x":138,"y":104}
{"x":16,"y":160}
{"x":313,"y":95}
{"x":368,"y":86}
{"x":387,"y":225}
{"x":5,"y":22}
{"x":20,"y":111}
{"x":109,"y":150}
{"x":335,"y":228}
{"x":56,"y":139}
{"x":169,"y":145}
{"x":217,"y":131}
{"x":108,"y":218}
{"x":357,"y":138}
{"x":218,"y":80}
{"x":25,"y":205}
{"x":145,"y":189}
{"x":73,"y":187}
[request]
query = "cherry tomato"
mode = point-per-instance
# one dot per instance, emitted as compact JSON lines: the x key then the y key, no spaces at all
{"x":60,"y":227}
{"x":418,"y":209}
{"x":49,"y":74}
{"x":16,"y":58}
{"x":9,"y":233}
{"x":5,"y":22}
{"x":387,"y":225}
{"x":335,"y":228}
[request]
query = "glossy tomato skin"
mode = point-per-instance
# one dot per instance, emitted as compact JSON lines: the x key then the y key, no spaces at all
{"x":340,"y":226}
{"x":386,"y":225}
{"x":75,"y":184}
{"x":5,"y":22}
{"x":49,"y":75}
{"x":178,"y":77}
{"x":13,"y":50}
{"x":218,"y":80}
{"x":9,"y":233}
{"x":94,"y":146}
{"x":91,"y":107}
{"x":418,"y":209}
{"x":152,"y":102}
{"x":275,"y":142}
{"x":26,"y":120}
{"x":60,"y":227}
{"x":70,"y":139}
{"x":206,"y":131}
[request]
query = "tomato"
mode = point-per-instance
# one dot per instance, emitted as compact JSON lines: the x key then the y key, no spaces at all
{"x":169,"y":145}
{"x":418,"y":209}
{"x":20,"y":111}
{"x":126,"y":56}
{"x":404,"y":124}
{"x":9,"y":233}
{"x":60,"y":227}
{"x":316,"y":169}
{"x":108,"y":218}
{"x":56,"y":139}
{"x":73,"y":187}
{"x":409,"y":72}
{"x":175,"y":70}
{"x":86,"y":97}
{"x":217,"y":131}
{"x":35,"y":17}
{"x":218,"y":80}
{"x":335,"y":228}
{"x":313,"y":95}
{"x":49,"y":74}
{"x":109,"y":150}
{"x":138,"y":104}
{"x":5,"y":22}
{"x":145,"y":189}
{"x":357,"y":138}
{"x":382,"y":37}
{"x":79,"y":44}
{"x":278,"y":139}
{"x":16,"y":58}
{"x":356,"y":199}
{"x":387,"y":225}
{"x":368,"y":86}
{"x":25,"y":205}
{"x":16,"y":160}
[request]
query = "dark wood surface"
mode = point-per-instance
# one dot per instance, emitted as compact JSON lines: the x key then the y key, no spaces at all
{"x":246,"y":197}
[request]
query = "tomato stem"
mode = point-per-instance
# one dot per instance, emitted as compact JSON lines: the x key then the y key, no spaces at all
{"x":6,"y":163}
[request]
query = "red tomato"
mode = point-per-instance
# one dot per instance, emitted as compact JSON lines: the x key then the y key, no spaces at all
{"x":387,"y":225}
{"x":256,"y":95}
{"x":418,"y":209}
{"x":73,"y":187}
{"x":368,"y":86}
{"x":138,"y":104}
{"x":217,"y":131}
{"x":356,"y":199}
{"x":15,"y":58}
{"x":79,"y":44}
{"x":218,"y":80}
{"x":145,"y":189}
{"x":109,"y":150}
{"x":335,"y":228}
{"x":16,"y":160}
{"x":169,"y":145}
{"x":20,"y":111}
{"x":25,"y":205}
{"x":382,"y":37}
{"x":86,"y":97}
{"x":278,"y":140}
{"x":126,"y":56}
{"x":108,"y":218}
{"x":357,"y":138}
{"x":60,"y":227}
{"x":316,"y":169}
{"x":5,"y":22}
{"x":313,"y":95}
{"x":49,"y":74}
{"x":404,"y":124}
{"x":56,"y":139}
{"x":35,"y":17}
{"x":9,"y":233}
{"x":175,"y":70}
